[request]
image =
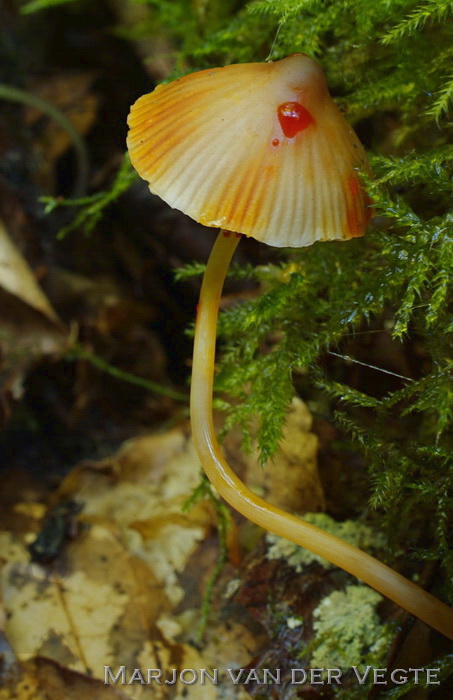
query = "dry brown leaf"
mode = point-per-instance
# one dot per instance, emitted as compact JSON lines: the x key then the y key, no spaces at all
{"x":141,"y":489}
{"x":201,"y":514}
{"x":29,"y":326}
{"x":69,"y":618}
{"x":43,"y":679}
{"x":17,"y":279}
{"x":116,"y":583}
{"x":116,"y":593}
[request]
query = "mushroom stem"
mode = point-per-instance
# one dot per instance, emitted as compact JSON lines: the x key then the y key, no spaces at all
{"x":369,"y":570}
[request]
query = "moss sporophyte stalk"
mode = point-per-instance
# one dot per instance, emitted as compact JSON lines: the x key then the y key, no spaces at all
{"x":261,"y":149}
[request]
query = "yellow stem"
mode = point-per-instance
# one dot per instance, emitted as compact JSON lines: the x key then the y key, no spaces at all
{"x":377,"y":575}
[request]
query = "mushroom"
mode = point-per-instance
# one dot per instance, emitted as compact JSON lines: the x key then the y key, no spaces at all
{"x":260,"y":149}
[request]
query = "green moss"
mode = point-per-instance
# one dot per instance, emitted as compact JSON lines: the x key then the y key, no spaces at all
{"x":351,"y":531}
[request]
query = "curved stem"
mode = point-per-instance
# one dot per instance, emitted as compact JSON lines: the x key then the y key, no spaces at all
{"x":377,"y":575}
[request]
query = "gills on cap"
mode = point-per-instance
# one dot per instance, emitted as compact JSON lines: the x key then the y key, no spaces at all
{"x":257,"y":148}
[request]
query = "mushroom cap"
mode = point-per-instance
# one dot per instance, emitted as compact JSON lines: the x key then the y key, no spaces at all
{"x":256,"y":148}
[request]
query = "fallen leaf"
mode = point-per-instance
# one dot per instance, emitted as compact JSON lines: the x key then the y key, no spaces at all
{"x":141,"y":489}
{"x":43,"y":679}
{"x":29,"y":327}
{"x":17,"y":279}
{"x":127,"y":590}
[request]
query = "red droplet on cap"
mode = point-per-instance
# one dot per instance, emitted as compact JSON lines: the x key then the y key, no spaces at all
{"x":275,"y":142}
{"x":293,"y":117}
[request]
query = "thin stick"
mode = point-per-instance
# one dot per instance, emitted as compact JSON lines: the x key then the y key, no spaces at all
{"x":369,"y":570}
{"x":12,"y":94}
